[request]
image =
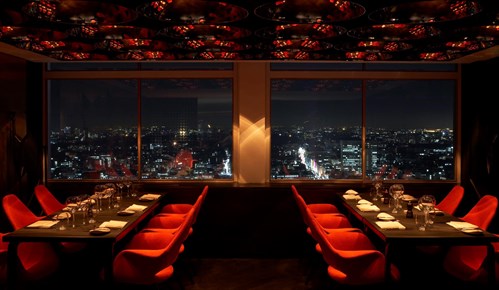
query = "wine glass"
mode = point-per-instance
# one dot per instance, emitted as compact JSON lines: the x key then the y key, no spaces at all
{"x":427,"y":204}
{"x":396,"y":192}
{"x":72,"y":206}
{"x":377,"y":187}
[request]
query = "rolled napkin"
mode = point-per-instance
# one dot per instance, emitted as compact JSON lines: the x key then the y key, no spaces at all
{"x":364,"y":201}
{"x":462,"y":225}
{"x":367,"y":207}
{"x":390,"y":225}
{"x":385,"y":217}
{"x":351,"y":197}
{"x":113,"y":224}
{"x":42,"y":224}
{"x":150,"y":196}
{"x":351,"y":192}
{"x":136,"y":207}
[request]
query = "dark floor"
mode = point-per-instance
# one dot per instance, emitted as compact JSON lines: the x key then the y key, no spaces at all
{"x":255,"y":274}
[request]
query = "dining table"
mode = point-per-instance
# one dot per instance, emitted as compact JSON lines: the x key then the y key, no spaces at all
{"x":400,"y":231}
{"x":111,"y":227}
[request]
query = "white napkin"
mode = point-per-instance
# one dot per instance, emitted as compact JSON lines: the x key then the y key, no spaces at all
{"x":150,"y":196}
{"x":351,"y":197}
{"x":136,"y":207}
{"x":367,"y":207}
{"x":113,"y":224}
{"x":351,"y":192}
{"x":42,"y":224}
{"x":462,"y":225}
{"x":390,"y":225}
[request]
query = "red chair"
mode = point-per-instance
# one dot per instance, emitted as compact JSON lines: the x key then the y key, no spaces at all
{"x":316,"y":207}
{"x":48,"y":202}
{"x":50,"y":205}
{"x":4,"y":246}
{"x":451,"y":201}
{"x":183,"y":208}
{"x":37,"y":260}
{"x":352,"y":258}
{"x":149,"y":257}
{"x":466,"y":263}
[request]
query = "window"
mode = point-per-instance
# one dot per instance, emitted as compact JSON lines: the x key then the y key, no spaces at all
{"x":187,"y":129}
{"x":316,"y":129}
{"x":92,"y":129}
{"x":317,"y":134}
{"x":185,"y":132}
{"x":410,"y":129}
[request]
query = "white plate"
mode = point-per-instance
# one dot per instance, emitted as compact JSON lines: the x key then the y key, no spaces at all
{"x":407,"y":197}
{"x":472,"y":231}
{"x":386,"y":218}
{"x":100,"y":231}
{"x":62,"y":216}
{"x":126,"y":212}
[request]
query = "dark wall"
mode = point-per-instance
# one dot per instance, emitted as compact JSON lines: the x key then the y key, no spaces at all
{"x":246,"y":221}
{"x":480,"y":130}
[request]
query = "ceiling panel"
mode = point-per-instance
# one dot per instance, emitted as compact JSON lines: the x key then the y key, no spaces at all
{"x":301,"y":30}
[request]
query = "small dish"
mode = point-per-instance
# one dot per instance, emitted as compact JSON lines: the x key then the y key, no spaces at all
{"x":100,"y":231}
{"x":125,"y":212}
{"x":407,"y":197}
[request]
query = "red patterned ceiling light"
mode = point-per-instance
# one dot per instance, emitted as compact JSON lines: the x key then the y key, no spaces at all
{"x":302,"y":31}
{"x":310,"y":11}
{"x":192,"y":11}
{"x":205,"y":32}
{"x":426,"y":11}
{"x":111,"y":32}
{"x":79,"y":12}
{"x":375,"y":46}
{"x":394,"y":32}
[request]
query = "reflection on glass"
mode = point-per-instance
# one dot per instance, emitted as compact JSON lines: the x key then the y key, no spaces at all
{"x":316,"y":129}
{"x":409,"y":129}
{"x":187,"y":129}
{"x":92,"y":129}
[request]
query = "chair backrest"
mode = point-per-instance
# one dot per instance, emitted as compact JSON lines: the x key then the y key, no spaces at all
{"x":4,"y":246}
{"x":351,"y":257}
{"x":18,"y":214}
{"x":49,"y":203}
{"x":302,"y":205}
{"x":199,"y":202}
{"x":148,"y":258}
{"x":483,"y":212}
{"x":37,"y":259}
{"x":451,"y":201}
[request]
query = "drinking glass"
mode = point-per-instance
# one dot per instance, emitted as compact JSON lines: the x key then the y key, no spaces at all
{"x":396,"y":192}
{"x":377,"y":185}
{"x":72,"y":206}
{"x":427,"y":204}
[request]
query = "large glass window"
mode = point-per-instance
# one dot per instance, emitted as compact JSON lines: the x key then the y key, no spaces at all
{"x":92,"y":129}
{"x":187,"y":129}
{"x":410,"y":129}
{"x":316,"y":129}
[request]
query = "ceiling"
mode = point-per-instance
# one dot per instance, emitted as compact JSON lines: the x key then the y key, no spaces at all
{"x":319,"y":30}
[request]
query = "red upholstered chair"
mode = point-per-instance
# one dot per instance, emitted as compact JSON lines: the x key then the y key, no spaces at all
{"x":316,"y":207}
{"x":148,"y":259}
{"x":48,"y":202}
{"x":466,"y":263}
{"x":183,"y":208}
{"x":352,"y":258}
{"x":3,"y":260}
{"x":37,"y":260}
{"x":451,"y":201}
{"x":50,"y":205}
